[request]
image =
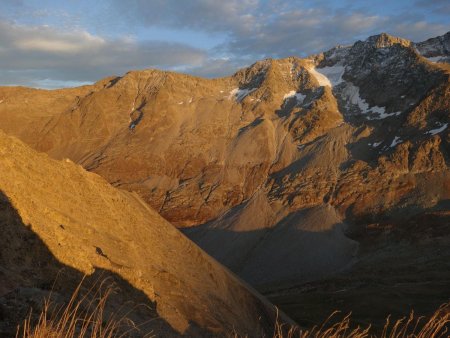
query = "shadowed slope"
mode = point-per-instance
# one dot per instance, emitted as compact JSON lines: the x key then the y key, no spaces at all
{"x":29,"y":273}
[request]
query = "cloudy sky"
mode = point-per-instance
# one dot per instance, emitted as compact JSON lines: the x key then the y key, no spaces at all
{"x":58,"y":43}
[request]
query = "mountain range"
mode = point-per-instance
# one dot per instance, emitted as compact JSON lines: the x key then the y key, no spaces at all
{"x":319,"y":181}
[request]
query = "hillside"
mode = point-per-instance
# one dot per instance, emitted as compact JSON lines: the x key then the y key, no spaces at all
{"x":297,"y":174}
{"x":54,"y":215}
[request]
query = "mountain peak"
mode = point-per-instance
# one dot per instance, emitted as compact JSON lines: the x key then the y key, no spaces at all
{"x":385,"y":40}
{"x":434,"y":47}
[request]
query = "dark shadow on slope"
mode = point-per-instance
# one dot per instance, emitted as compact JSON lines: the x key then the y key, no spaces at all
{"x":287,"y":108}
{"x":251,"y":125}
{"x":289,"y":252}
{"x":29,"y":273}
{"x":299,"y":165}
{"x":403,"y":266}
{"x":400,"y":267}
{"x":136,"y":117}
{"x":113,"y":81}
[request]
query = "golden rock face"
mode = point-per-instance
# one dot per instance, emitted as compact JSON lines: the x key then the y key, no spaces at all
{"x":285,"y":154}
{"x":87,"y":225}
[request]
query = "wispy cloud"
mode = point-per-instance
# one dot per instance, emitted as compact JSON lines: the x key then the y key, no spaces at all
{"x":42,"y":52}
{"x":85,"y":41}
{"x":439,"y":7}
{"x":274,"y":28}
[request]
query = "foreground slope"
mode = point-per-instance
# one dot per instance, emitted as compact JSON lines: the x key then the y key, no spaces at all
{"x":87,"y":225}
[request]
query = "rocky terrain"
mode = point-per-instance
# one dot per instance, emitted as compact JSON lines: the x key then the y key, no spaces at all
{"x":303,"y":176}
{"x":60,"y":222}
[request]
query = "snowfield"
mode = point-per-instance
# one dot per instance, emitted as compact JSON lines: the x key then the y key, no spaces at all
{"x":332,"y":74}
{"x":351,"y":94}
{"x":240,"y":94}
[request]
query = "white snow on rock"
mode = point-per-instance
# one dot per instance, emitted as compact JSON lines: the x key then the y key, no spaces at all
{"x":299,"y":97}
{"x":437,"y":130}
{"x":322,"y":79}
{"x":289,"y":95}
{"x":375,"y":144}
{"x":396,"y":141}
{"x":181,"y":102}
{"x":435,"y":58}
{"x":382,"y":114}
{"x":240,"y":94}
{"x":351,"y":94}
{"x":333,"y":74}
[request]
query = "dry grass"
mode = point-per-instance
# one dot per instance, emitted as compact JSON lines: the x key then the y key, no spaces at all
{"x":83,"y":316}
{"x":408,"y":327}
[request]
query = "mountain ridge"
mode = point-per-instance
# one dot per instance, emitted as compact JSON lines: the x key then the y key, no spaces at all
{"x":291,"y":160}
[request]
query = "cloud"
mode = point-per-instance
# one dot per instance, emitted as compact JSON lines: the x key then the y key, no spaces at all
{"x":211,"y":15}
{"x":439,"y":7}
{"x":217,"y":67}
{"x":277,"y":28}
{"x":230,"y":34}
{"x":303,"y":32}
{"x":41,"y":52}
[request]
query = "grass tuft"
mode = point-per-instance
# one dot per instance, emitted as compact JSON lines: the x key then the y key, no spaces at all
{"x":408,"y":327}
{"x":84,"y":315}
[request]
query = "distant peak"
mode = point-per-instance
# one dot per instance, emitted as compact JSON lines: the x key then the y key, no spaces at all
{"x":385,"y":40}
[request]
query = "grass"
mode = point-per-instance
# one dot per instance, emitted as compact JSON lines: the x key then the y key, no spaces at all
{"x":86,"y":316}
{"x":409,"y":327}
{"x":83,"y":316}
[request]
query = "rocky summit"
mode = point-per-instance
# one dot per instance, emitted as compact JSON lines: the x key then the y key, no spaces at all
{"x":320,"y":181}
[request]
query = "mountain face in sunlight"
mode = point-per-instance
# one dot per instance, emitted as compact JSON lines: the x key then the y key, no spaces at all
{"x":313,"y":177}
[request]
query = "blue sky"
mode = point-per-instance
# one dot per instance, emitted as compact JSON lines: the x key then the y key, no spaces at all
{"x":50,"y":43}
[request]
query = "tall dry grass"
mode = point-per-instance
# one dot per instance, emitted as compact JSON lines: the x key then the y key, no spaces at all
{"x":83,"y":316}
{"x":409,"y":327}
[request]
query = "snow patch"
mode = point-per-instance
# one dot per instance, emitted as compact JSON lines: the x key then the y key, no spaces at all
{"x":375,"y":144}
{"x":299,"y":97}
{"x":396,"y":141}
{"x":435,"y":58}
{"x":351,"y":93}
{"x":382,"y":114}
{"x":289,"y":95}
{"x":190,"y":100}
{"x":437,"y":130}
{"x":332,"y":74}
{"x":240,"y":94}
{"x":322,"y":79}
{"x":181,"y":102}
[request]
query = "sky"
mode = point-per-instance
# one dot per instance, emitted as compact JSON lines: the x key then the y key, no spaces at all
{"x":63,"y":43}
